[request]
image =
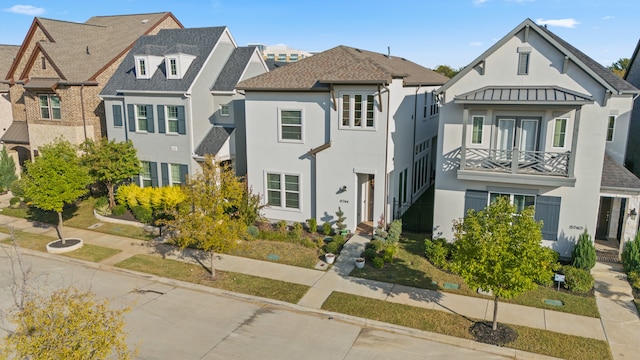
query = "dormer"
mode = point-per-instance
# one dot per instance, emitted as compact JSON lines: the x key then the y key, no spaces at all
{"x":148,"y":61}
{"x":178,"y":59}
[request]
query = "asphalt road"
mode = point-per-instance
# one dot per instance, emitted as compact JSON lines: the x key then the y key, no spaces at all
{"x":174,"y":322}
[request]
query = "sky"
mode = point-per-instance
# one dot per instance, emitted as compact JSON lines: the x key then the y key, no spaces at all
{"x":427,"y":32}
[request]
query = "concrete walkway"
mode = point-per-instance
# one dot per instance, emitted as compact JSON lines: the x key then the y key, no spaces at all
{"x":616,"y":312}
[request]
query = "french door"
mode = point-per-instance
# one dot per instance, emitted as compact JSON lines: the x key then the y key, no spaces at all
{"x":521,"y":133}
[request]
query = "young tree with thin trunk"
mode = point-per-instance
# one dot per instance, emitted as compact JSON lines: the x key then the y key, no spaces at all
{"x":209,"y":218}
{"x":110,"y":163}
{"x":499,"y":250}
{"x":56,"y":178}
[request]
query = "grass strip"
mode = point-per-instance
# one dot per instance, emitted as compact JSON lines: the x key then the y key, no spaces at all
{"x":531,"y":340}
{"x":288,"y":253}
{"x":242,"y":283}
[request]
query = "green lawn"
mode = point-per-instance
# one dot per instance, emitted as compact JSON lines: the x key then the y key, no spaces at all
{"x":242,"y":283}
{"x":411,"y":268}
{"x":529,"y":339}
{"x":286,"y":253}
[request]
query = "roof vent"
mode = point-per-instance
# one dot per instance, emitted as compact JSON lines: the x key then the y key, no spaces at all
{"x":88,"y":53}
{"x":144,"y":21}
{"x":358,"y":50}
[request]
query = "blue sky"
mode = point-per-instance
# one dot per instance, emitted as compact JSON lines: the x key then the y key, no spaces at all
{"x":428,"y":32}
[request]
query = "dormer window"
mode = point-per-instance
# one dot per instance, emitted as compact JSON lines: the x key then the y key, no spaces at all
{"x":173,"y":67}
{"x":177,"y":64}
{"x":142,"y":66}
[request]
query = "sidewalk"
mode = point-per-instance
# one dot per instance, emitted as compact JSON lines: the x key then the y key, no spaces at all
{"x":322,"y":283}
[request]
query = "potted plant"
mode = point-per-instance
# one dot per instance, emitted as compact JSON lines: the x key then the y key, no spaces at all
{"x":329,"y":258}
{"x":360,"y":262}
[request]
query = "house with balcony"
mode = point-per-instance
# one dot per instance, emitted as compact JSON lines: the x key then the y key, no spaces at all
{"x":345,"y":128}
{"x":173,"y":96}
{"x":536,"y":120}
{"x":60,"y":69}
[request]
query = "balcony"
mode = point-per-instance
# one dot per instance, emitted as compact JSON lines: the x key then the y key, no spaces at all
{"x":516,"y":166}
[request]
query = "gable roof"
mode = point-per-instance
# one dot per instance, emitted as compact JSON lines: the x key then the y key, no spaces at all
{"x":195,"y":41}
{"x":233,"y":69}
{"x":81,"y":51}
{"x":600,"y":73}
{"x":343,"y":65}
{"x":616,"y":176}
{"x":7,"y":54}
{"x":633,"y":59}
{"x":214,"y":140}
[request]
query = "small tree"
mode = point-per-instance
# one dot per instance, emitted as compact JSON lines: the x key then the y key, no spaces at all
{"x":499,"y":250}
{"x":212,"y":222}
{"x":631,"y":255}
{"x":7,"y":169}
{"x":111,"y":162}
{"x":340,"y":225}
{"x":583,"y":255}
{"x":56,"y":178}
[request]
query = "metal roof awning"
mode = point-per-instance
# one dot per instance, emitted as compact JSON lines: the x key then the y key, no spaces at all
{"x":42,"y":83}
{"x":515,"y":95}
{"x":17,"y":133}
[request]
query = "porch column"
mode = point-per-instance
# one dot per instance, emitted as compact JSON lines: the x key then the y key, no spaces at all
{"x":463,"y":147}
{"x":574,"y":143}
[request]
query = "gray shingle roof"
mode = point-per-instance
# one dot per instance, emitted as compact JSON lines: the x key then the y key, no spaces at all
{"x":617,"y":176}
{"x":7,"y":54}
{"x":17,"y":133}
{"x":204,"y":39}
{"x":518,"y":95}
{"x":233,"y":69}
{"x":343,"y":64}
{"x":213,"y":141}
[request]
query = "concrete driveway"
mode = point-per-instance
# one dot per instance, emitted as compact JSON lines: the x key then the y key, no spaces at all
{"x":170,"y":321}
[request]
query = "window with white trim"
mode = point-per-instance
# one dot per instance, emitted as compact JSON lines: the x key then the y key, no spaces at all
{"x":283,"y":190}
{"x":290,"y":125}
{"x":610,"y":127}
{"x":559,"y":132}
{"x":282,"y":57}
{"x":434,"y":108}
{"x":293,"y":57}
{"x":49,"y":107}
{"x":358,"y":111}
{"x":145,"y":174}
{"x":141,"y":118}
{"x":426,"y":105}
{"x":172,"y":118}
{"x":224,"y":109}
{"x":142,"y":67}
{"x":174,"y":174}
{"x":271,"y":56}
{"x":173,"y":67}
{"x":520,"y":201}
{"x":476,"y":133}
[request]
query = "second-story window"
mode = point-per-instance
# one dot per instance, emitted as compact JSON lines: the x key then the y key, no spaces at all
{"x":142,"y":65}
{"x":172,"y":119}
{"x":434,"y":108}
{"x":49,"y":107}
{"x":291,"y":125}
{"x":476,"y":136}
{"x":173,"y":67}
{"x":610,"y":127}
{"x":282,"y":57}
{"x":141,"y":118}
{"x":271,"y":56}
{"x":224,"y":110}
{"x":559,"y":133}
{"x":358,"y":111}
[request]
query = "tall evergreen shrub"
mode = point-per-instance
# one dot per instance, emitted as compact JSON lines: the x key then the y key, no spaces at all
{"x":584,"y":253}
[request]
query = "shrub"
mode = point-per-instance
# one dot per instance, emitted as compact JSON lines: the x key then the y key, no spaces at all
{"x":326,"y":228}
{"x":583,"y":255}
{"x":14,"y":200}
{"x":331,"y":247}
{"x":379,"y":233}
{"x":578,"y":280}
{"x":312,"y":224}
{"x":377,"y":245}
{"x":102,"y":206}
{"x":297,"y":230}
{"x":119,"y":210}
{"x":395,"y":229}
{"x":253,"y":231}
{"x":340,"y":225}
{"x":389,"y":252}
{"x":634,"y":279}
{"x":378,"y":263}
{"x":142,"y":214}
{"x":631,"y":255}
{"x":369,"y":254}
{"x":438,"y":252}
{"x":554,"y":265}
{"x":17,"y":188}
{"x":281,"y":226}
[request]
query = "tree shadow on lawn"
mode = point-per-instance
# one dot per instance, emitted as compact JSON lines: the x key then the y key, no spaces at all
{"x":43,"y":218}
{"x":191,"y":255}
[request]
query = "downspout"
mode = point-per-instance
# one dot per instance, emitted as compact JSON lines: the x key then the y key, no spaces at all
{"x":84,"y":119}
{"x":193,"y":148}
{"x":386,"y":160}
{"x":413,"y":149}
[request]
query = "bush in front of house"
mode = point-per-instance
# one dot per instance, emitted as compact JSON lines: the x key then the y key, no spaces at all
{"x":296,"y":230}
{"x":312,"y":225}
{"x":14,"y":201}
{"x":326,"y":228}
{"x":583,"y":255}
{"x":578,"y":280}
{"x":369,"y":254}
{"x":377,"y":245}
{"x":253,"y":231}
{"x":335,"y":245}
{"x":438,"y":252}
{"x":142,"y":214}
{"x":378,"y":263}
{"x":631,"y":255}
{"x":102,"y":206}
{"x":119,"y":210}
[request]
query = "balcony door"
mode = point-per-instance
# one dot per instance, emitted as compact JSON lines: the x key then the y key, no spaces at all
{"x":521,"y":133}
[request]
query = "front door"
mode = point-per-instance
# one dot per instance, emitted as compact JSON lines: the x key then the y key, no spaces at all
{"x":604,"y":217}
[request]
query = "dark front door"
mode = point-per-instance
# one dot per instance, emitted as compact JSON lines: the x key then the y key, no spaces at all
{"x":604,"y":216}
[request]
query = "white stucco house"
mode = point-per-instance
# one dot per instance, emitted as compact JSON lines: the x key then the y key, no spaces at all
{"x":536,"y":120}
{"x":173,"y":96}
{"x":344,"y":128}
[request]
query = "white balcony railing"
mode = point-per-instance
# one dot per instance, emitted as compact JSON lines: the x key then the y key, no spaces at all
{"x":516,"y":161}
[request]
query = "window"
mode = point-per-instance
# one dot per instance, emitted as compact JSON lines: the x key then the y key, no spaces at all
{"x":434,"y":109}
{"x":172,"y":119}
{"x":224,"y":110}
{"x":173,"y":174}
{"x":476,"y":136}
{"x":117,"y":115}
{"x":290,"y":192}
{"x":271,"y":56}
{"x":282,"y":57}
{"x":175,"y":178}
{"x":402,"y":187}
{"x":293,"y":57}
{"x":173,"y":67}
{"x":142,"y":67}
{"x":49,"y":107}
{"x":426,"y":105}
{"x":610,"y":127}
{"x":141,"y":118}
{"x":145,"y":174}
{"x":291,"y":125}
{"x":521,"y":202}
{"x":523,"y":63}
{"x":358,"y":111}
{"x":559,"y":133}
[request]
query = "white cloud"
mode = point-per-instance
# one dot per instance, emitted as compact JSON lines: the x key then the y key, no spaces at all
{"x":476,"y":43}
{"x":479,"y":2}
{"x":567,"y":23}
{"x":25,"y":10}
{"x":608,"y":17}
